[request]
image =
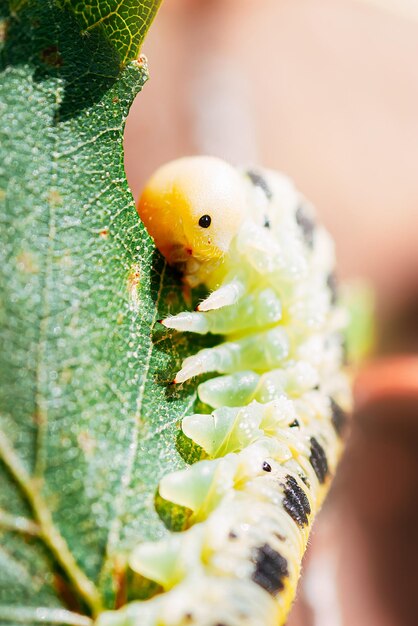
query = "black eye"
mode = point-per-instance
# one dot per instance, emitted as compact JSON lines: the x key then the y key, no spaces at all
{"x":205,"y":221}
{"x":266,"y":466}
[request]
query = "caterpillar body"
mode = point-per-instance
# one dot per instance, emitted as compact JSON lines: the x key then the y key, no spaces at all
{"x":274,"y":436}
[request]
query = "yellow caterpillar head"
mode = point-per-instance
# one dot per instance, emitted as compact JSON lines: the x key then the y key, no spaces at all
{"x":193,"y":207}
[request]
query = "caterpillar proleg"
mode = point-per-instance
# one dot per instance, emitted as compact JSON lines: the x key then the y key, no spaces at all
{"x":279,"y":394}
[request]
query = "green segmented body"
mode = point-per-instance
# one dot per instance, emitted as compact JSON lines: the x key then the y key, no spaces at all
{"x":273,"y":438}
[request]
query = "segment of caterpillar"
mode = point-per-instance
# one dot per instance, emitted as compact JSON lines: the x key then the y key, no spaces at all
{"x":274,"y":436}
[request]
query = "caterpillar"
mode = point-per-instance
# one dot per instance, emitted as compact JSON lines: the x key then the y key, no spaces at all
{"x":279,"y":400}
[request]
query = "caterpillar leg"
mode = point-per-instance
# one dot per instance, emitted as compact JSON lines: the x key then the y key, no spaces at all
{"x":230,"y":429}
{"x":261,"y":351}
{"x":202,"y":486}
{"x":256,"y":310}
{"x":229,"y":391}
{"x":228,"y":294}
{"x":168,"y":561}
{"x":241,"y":388}
{"x":188,"y":322}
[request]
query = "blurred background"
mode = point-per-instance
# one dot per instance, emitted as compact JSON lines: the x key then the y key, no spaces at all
{"x":327,"y":91}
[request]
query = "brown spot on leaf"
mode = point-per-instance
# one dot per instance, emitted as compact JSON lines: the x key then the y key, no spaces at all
{"x":51,"y":56}
{"x":38,"y":417}
{"x":66,"y":260}
{"x":87,"y":443}
{"x":120,"y":581}
{"x":55,"y":198}
{"x":134,"y":280}
{"x":104,"y":233}
{"x":66,"y":593}
{"x":187,"y":294}
{"x":3,"y":30}
{"x":27,"y":263}
{"x":172,"y":298}
{"x":66,"y":376}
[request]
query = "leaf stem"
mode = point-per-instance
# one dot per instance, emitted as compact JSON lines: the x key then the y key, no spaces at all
{"x":48,"y":532}
{"x":18,"y":523}
{"x":28,"y":615}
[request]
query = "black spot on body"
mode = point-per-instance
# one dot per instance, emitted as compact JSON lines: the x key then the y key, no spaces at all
{"x":270,"y":569}
{"x":259,"y":181}
{"x":307,"y":226}
{"x":318,"y":460}
{"x":232,"y":535}
{"x":305,"y":480}
{"x":332,"y":284}
{"x":294,"y":424}
{"x":267,"y":223}
{"x":339,"y":417}
{"x":295,"y":502}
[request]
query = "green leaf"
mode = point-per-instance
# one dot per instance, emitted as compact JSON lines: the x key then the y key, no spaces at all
{"x":123,"y":23}
{"x":88,"y":423}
